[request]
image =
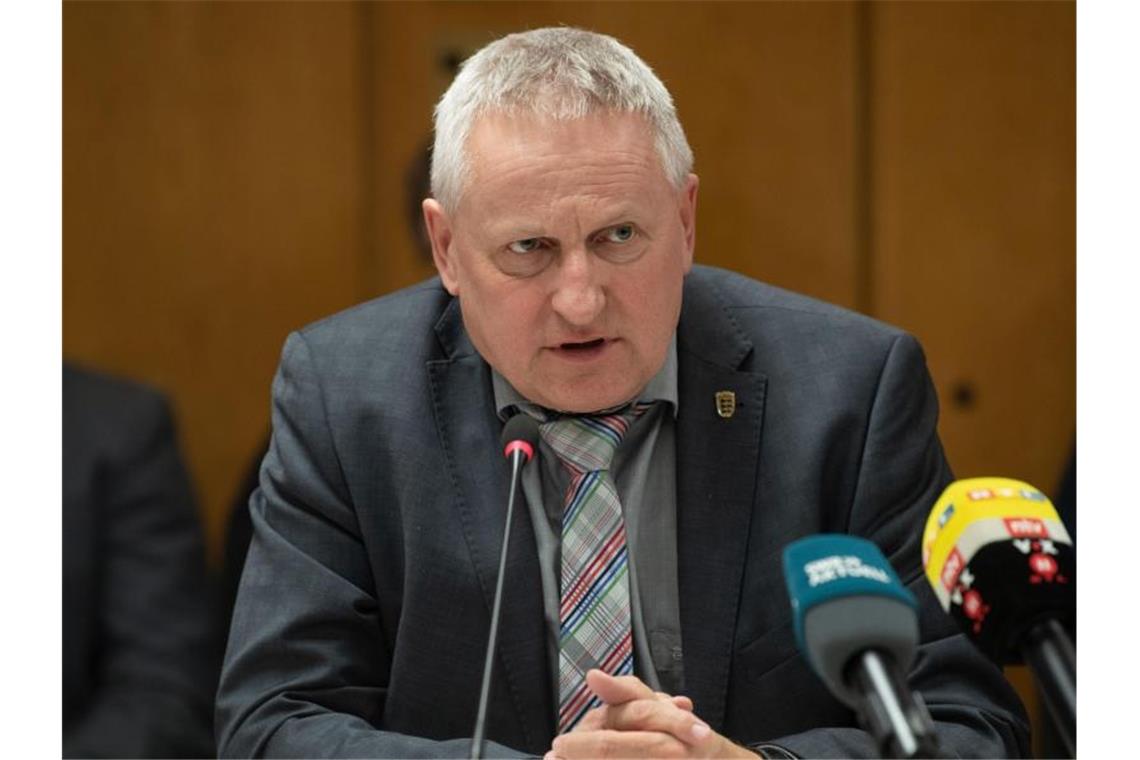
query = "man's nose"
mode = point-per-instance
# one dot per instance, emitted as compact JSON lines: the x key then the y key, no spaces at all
{"x":579,"y":296}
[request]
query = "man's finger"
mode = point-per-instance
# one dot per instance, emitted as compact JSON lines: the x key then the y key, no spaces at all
{"x":610,"y":744}
{"x":592,"y":720}
{"x":682,"y":702}
{"x":657,"y":715}
{"x":613,"y":690}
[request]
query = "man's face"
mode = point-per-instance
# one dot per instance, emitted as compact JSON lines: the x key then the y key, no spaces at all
{"x":567,"y":253}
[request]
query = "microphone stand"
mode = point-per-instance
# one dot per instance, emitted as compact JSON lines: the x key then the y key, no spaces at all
{"x":1050,"y":655}
{"x":477,"y":740}
{"x":896,"y":718}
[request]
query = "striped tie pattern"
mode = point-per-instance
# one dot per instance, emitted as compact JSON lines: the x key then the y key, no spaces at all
{"x":595,"y":613}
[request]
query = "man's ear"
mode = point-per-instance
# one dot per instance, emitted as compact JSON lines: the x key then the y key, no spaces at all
{"x":440,"y":233}
{"x":689,"y":218}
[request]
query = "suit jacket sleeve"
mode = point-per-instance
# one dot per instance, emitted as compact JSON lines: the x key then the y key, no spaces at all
{"x":153,"y":666}
{"x":902,"y":472}
{"x":307,"y":666}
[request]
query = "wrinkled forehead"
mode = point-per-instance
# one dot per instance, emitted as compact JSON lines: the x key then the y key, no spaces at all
{"x":508,"y":148}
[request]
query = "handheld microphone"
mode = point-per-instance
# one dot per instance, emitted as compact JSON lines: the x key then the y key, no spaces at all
{"x":1002,"y":564}
{"x":519,"y":441}
{"x":856,"y":625}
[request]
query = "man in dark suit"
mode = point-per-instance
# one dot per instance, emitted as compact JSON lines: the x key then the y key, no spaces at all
{"x":139,"y":658}
{"x":693,"y":422}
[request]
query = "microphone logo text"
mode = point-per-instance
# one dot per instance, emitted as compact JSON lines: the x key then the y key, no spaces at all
{"x":1026,"y":527}
{"x":832,"y":568}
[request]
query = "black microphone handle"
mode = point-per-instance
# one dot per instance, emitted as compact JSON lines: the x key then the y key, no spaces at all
{"x":895,"y":717}
{"x":477,"y":739}
{"x":1050,"y":655}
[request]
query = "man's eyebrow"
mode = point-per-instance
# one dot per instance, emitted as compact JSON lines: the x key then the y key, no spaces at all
{"x":512,"y":230}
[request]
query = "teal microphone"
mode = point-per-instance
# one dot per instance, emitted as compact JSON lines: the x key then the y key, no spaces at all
{"x":857,"y":626}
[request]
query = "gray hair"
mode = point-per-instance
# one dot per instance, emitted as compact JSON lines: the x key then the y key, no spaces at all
{"x":560,"y":73}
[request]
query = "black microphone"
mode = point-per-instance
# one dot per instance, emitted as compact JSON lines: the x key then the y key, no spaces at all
{"x":1002,"y":564}
{"x":857,"y":627}
{"x":519,"y":440}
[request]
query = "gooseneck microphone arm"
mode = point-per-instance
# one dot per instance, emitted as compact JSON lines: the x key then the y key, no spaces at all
{"x":1049,"y":653}
{"x":857,"y":626}
{"x":896,"y":717}
{"x":520,"y":436}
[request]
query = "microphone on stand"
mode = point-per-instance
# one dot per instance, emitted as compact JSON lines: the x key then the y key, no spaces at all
{"x":519,"y":440}
{"x":857,"y":627}
{"x":1003,"y":566}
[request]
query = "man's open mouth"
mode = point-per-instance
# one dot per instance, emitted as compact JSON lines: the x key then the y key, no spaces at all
{"x":596,"y":343}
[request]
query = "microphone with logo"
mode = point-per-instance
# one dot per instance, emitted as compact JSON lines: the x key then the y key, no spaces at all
{"x":520,"y":441}
{"x":856,"y":625}
{"x":1002,"y":564}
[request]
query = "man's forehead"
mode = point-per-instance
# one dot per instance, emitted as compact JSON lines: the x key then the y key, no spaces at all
{"x":607,"y":161}
{"x":533,"y":135}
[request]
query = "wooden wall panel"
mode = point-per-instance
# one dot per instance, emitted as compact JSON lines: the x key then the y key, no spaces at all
{"x":974,"y":210}
{"x":765,"y":92}
{"x":212,"y":181}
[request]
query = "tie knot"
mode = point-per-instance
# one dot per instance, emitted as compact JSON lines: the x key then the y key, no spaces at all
{"x":588,"y":443}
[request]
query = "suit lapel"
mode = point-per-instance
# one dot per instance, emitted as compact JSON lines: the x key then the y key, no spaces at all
{"x":717,"y":464}
{"x":463,"y":406}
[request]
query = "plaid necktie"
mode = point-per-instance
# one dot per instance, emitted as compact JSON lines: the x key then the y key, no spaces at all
{"x":595,"y":613}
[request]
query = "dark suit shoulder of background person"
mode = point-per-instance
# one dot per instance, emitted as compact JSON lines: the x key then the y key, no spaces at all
{"x":139,"y":662}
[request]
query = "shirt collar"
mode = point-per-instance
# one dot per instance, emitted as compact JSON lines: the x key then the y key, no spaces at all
{"x":661,"y":387}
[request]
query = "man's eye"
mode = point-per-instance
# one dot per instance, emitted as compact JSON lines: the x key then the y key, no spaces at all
{"x":529,"y":245}
{"x":622,"y":233}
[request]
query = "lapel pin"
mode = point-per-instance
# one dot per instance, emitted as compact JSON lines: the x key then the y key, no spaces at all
{"x":725,"y":404}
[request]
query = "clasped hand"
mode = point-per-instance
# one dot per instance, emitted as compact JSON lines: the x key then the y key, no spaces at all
{"x":635,"y":721}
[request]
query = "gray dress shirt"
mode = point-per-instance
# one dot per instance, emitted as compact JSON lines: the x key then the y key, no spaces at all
{"x":644,"y":472}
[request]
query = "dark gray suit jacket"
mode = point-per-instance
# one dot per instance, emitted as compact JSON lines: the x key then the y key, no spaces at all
{"x":363,"y":612}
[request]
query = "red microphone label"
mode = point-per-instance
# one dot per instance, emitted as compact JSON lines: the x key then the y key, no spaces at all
{"x":1026,"y":527}
{"x":1044,"y":569}
{"x":975,"y":608}
{"x":952,"y":569}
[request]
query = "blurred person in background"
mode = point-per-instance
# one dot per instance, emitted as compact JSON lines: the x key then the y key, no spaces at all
{"x":139,"y":653}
